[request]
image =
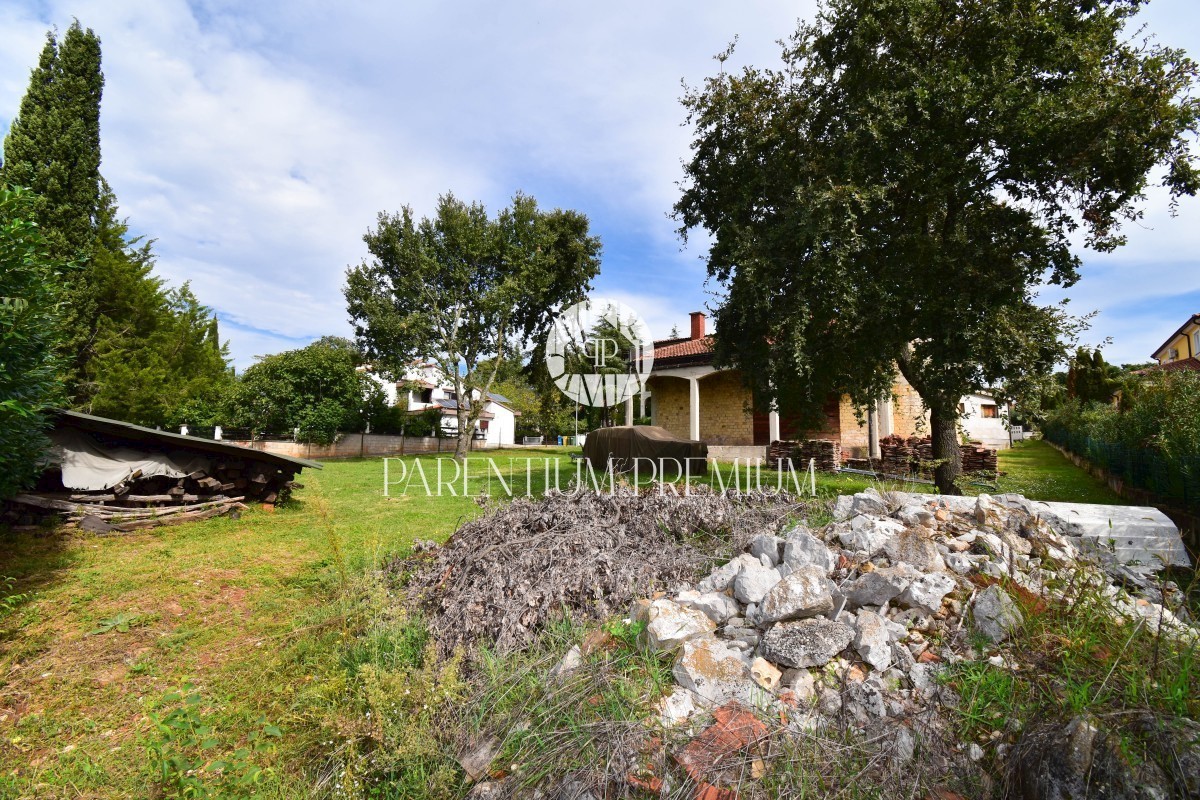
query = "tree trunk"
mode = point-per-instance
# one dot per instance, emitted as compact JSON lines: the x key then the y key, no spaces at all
{"x":465,"y":430}
{"x":944,"y":438}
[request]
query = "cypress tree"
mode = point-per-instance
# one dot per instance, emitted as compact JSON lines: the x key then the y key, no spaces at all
{"x":53,"y":149}
{"x":132,"y":348}
{"x":53,"y":145}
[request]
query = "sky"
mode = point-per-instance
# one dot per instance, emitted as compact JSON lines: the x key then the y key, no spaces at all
{"x":257,"y":142}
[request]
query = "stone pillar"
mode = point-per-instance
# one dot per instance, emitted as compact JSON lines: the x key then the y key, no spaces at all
{"x":694,"y":408}
{"x":217,"y":433}
{"x":773,"y":426}
{"x":183,"y":429}
{"x":886,"y":422}
{"x":643,"y":395}
{"x":873,"y":451}
{"x":629,"y":410}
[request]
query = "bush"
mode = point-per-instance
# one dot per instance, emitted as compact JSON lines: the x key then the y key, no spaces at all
{"x":320,"y":423}
{"x":29,"y":337}
{"x":427,"y":423}
{"x":1152,"y":441}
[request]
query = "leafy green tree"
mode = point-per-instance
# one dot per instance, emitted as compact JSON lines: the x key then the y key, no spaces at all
{"x":53,"y":149}
{"x":132,"y":348}
{"x":460,"y":288}
{"x":29,"y":338}
{"x":1090,"y":379}
{"x":894,"y":195}
{"x":317,"y":389}
{"x":53,"y":144}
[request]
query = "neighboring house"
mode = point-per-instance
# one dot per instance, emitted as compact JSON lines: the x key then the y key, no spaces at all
{"x":1181,"y":350}
{"x":985,"y":420}
{"x":694,"y":400}
{"x":425,"y":387}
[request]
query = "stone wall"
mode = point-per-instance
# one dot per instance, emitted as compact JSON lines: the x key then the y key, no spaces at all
{"x":355,"y":445}
{"x":669,"y":405}
{"x":854,"y":434}
{"x":725,"y":418}
{"x":909,"y":417}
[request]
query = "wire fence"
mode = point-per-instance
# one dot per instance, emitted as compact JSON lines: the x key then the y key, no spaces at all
{"x":1174,"y":479}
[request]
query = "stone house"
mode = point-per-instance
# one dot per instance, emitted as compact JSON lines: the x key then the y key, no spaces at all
{"x":694,"y":400}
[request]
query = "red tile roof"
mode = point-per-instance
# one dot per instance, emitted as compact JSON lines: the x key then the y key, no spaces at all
{"x":1184,"y":364}
{"x":673,"y":352}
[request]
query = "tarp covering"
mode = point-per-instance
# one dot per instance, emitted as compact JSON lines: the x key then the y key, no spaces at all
{"x":654,"y":449}
{"x":88,"y":465}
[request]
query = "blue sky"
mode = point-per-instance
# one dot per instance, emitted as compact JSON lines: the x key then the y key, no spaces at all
{"x":256,"y":142}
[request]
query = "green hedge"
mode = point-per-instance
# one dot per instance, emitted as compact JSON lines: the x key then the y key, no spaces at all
{"x":1152,"y":442}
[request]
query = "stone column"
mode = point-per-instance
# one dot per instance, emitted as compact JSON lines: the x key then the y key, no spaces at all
{"x":643,"y":395}
{"x":694,"y":408}
{"x":886,"y":426}
{"x":773,"y":426}
{"x":629,"y":410}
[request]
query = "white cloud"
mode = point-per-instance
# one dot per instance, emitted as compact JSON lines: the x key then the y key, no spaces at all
{"x":257,"y":142}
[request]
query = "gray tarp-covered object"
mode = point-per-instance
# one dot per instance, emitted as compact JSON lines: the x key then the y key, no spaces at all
{"x":89,"y":466}
{"x":649,"y":445}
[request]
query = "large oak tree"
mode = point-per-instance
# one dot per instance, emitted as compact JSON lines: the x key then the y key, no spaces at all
{"x":461,"y":288}
{"x":896,"y":192}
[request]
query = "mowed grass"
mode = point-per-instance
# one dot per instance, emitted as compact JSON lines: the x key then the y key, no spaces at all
{"x":224,"y":604}
{"x":1038,"y":471}
{"x":98,"y":630}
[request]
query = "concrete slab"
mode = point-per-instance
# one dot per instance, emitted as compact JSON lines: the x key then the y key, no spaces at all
{"x":1136,"y":536}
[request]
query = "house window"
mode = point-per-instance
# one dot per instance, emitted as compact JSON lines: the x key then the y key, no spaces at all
{"x":1173,"y":354}
{"x":1196,"y":343}
{"x":989,"y":411}
{"x":427,"y":395}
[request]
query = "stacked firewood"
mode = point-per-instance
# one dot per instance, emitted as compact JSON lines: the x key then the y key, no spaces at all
{"x":142,"y":502}
{"x":825,"y":453}
{"x":900,"y":456}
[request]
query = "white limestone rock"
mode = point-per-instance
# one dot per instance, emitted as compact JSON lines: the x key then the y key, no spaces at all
{"x":927,"y":591}
{"x":916,"y":515}
{"x":753,"y":581}
{"x":769,"y":545}
{"x":722,"y":577}
{"x":804,"y":593}
{"x":713,"y":670}
{"x":879,"y":586}
{"x":717,"y":606}
{"x":669,"y":625}
{"x":570,"y":662}
{"x":802,"y":549}
{"x":867,"y":535}
{"x":805,"y":643}
{"x":865,"y":502}
{"x":872,"y":640}
{"x":995,"y":614}
{"x":677,"y":707}
{"x":916,"y":548}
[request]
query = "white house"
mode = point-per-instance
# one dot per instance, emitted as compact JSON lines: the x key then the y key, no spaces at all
{"x":985,"y":420}
{"x":428,"y":387}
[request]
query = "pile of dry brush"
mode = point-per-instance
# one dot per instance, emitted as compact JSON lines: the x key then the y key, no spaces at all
{"x":502,"y":577}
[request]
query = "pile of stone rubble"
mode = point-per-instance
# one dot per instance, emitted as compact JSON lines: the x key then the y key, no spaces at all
{"x":855,"y":621}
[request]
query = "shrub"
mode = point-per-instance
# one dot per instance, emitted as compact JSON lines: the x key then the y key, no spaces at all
{"x":29,"y":337}
{"x":1153,"y":440}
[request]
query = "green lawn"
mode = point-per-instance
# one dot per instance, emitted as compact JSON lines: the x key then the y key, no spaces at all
{"x":263,"y":615}
{"x":1038,"y":471}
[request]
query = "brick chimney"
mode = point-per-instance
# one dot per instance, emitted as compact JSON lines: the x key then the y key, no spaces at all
{"x":697,"y":324}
